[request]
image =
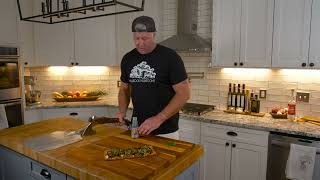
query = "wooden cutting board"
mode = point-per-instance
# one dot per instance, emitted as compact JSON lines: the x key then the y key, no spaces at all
{"x":168,"y":151}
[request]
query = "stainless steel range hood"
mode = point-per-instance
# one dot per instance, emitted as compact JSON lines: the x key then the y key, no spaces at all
{"x":186,"y":39}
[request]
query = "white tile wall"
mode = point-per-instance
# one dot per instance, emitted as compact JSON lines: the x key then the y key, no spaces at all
{"x":213,"y":88}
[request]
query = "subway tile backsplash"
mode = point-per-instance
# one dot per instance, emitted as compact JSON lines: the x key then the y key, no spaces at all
{"x":212,"y":89}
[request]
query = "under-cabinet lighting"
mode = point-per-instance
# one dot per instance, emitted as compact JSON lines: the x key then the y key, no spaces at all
{"x":58,"y":70}
{"x":89,"y":70}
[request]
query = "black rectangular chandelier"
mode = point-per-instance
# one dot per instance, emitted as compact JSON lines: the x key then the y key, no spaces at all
{"x":58,"y":11}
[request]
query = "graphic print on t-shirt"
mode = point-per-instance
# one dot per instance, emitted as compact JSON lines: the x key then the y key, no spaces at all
{"x":142,"y":73}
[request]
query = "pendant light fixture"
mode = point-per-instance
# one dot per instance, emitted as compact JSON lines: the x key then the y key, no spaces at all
{"x":58,"y":11}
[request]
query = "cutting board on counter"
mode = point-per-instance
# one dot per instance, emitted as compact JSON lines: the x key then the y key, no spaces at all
{"x":168,"y":152}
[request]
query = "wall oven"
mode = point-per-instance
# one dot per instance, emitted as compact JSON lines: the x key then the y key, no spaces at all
{"x":10,"y":88}
{"x":9,"y":74}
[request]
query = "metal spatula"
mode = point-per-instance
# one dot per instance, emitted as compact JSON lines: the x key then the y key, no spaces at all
{"x":52,"y":140}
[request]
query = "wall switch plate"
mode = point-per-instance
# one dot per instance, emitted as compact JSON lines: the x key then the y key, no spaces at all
{"x":303,"y":97}
{"x":262,"y":93}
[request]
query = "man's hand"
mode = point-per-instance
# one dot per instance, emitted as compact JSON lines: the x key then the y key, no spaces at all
{"x":121,"y":116}
{"x":150,"y":124}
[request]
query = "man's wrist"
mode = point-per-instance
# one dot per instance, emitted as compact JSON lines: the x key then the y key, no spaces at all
{"x":162,"y":116}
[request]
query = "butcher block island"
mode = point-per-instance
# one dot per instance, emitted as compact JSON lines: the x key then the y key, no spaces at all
{"x":85,"y":159}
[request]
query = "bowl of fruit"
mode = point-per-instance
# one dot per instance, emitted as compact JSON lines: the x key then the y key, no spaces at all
{"x":279,"y":112}
{"x":70,"y":96}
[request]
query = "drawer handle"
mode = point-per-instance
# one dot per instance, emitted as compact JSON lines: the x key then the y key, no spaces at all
{"x":227,"y":144}
{"x":45,"y":173}
{"x":233,"y":145}
{"x":73,"y":114}
{"x":231,"y":133}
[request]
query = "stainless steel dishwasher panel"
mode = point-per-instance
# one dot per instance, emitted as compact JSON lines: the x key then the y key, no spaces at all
{"x":279,"y":148}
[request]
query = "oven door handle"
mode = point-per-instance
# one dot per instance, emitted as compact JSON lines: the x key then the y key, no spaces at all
{"x":286,"y":144}
{"x":11,"y":103}
{"x":280,"y":143}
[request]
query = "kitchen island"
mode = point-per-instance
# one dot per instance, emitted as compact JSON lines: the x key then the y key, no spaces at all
{"x":85,"y":159}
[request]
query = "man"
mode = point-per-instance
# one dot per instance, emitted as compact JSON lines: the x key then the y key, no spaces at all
{"x":155,"y":78}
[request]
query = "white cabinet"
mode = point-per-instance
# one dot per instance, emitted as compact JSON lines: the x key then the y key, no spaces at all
{"x":216,"y":160}
{"x":89,"y":42}
{"x":54,"y":44}
{"x":8,"y":19}
{"x":79,"y":113}
{"x":26,"y":39}
{"x":189,"y":130}
{"x":95,"y":41}
{"x":291,"y":33}
{"x":248,"y":162}
{"x":36,"y":115}
{"x":243,"y":33}
{"x":314,"y":53}
{"x":32,"y":116}
{"x":233,"y":153}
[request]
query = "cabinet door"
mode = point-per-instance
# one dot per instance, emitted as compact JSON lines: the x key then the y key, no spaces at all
{"x":13,"y":166}
{"x":32,"y":116}
{"x":248,"y":162}
{"x":291,"y":33}
{"x":54,"y":44}
{"x":215,"y":163}
{"x":26,"y":39}
{"x":8,"y":19}
{"x":227,"y":27}
{"x":189,"y":131}
{"x":79,"y":113}
{"x":256,"y":33}
{"x":95,"y":41}
{"x":314,"y":56}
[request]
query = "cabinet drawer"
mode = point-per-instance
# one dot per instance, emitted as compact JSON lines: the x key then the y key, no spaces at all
{"x":243,"y":135}
{"x":42,"y":172}
{"x":216,"y":131}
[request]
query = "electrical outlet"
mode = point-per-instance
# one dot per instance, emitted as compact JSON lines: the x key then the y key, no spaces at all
{"x":118,"y":83}
{"x":303,"y":97}
{"x":262,"y":93}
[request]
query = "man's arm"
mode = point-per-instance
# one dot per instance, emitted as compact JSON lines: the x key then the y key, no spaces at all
{"x":123,"y":100}
{"x":182,"y":95}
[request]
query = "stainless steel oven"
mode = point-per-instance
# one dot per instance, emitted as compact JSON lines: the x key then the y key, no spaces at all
{"x":10,"y":88}
{"x":13,"y":109}
{"x":9,"y":74}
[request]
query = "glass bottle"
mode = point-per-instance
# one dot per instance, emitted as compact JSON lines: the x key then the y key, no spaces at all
{"x":134,"y":128}
{"x":238,"y":106}
{"x":292,"y":107}
{"x":247,"y":102}
{"x":233,"y":98}
{"x":229,"y":103}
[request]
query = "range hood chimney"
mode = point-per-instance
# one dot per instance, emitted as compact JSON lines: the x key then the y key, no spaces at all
{"x":186,"y":39}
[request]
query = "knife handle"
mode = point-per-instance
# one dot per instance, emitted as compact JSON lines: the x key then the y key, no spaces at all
{"x":104,"y":120}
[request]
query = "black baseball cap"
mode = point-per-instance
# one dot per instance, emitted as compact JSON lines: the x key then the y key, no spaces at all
{"x":143,"y":24}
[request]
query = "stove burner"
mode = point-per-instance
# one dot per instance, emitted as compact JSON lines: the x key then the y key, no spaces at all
{"x":196,"y":109}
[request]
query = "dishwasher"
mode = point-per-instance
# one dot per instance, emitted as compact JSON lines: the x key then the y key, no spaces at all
{"x":279,"y":148}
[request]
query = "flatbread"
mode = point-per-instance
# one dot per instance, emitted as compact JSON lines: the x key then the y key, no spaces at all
{"x":128,"y":153}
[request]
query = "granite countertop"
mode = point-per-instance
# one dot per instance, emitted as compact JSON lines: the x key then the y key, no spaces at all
{"x":266,"y":123}
{"x":80,"y":104}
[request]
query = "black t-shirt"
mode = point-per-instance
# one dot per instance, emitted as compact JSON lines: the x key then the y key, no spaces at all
{"x":151,"y":77}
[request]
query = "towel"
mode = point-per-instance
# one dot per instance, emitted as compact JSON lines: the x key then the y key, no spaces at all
{"x":301,"y":162}
{"x":3,"y":117}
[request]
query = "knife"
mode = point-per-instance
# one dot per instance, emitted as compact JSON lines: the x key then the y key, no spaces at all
{"x":87,"y":130}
